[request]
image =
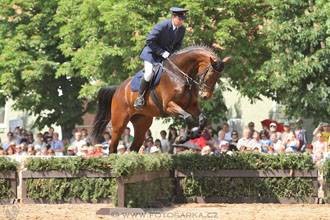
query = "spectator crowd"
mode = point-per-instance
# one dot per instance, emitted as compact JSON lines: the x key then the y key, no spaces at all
{"x":222,"y":139}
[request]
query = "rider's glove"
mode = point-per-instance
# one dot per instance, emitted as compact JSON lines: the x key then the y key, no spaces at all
{"x":165,"y":55}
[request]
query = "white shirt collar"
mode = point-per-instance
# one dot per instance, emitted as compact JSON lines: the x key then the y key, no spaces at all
{"x":173,"y":25}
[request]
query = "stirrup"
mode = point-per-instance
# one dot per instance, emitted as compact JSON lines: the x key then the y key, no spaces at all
{"x":139,"y":103}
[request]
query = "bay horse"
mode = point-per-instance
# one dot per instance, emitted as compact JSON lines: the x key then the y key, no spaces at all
{"x":177,"y":94}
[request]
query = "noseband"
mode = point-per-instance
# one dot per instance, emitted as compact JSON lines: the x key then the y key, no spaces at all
{"x":201,"y":75}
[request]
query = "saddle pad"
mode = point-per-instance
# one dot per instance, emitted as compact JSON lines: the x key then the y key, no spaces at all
{"x":138,"y":76}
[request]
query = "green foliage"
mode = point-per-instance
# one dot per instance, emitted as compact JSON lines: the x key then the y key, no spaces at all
{"x":91,"y":189}
{"x":6,"y":164}
{"x":53,"y":52}
{"x":87,"y":189}
{"x":5,"y":188}
{"x":30,"y":63}
{"x":242,"y":161}
{"x":245,"y":187}
{"x":136,"y":194}
{"x":260,"y":188}
{"x":326,"y":177}
{"x":127,"y":164}
{"x":297,"y":74}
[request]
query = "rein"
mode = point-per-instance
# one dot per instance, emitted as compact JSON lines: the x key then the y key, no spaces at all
{"x":189,"y":79}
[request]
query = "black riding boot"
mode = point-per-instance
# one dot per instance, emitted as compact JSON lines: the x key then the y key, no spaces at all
{"x":139,"y":102}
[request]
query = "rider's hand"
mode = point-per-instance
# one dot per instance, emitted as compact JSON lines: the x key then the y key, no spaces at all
{"x":165,"y":55}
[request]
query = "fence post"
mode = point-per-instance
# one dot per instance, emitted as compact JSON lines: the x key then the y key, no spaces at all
{"x":121,"y":191}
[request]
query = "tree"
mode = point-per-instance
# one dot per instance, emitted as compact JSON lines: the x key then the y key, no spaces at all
{"x":30,"y":60}
{"x":57,"y":54}
{"x":297,"y":74}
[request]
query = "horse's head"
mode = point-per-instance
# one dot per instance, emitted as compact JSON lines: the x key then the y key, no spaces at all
{"x":210,"y":76}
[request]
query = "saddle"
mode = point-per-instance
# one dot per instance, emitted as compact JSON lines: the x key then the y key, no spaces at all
{"x":156,"y":74}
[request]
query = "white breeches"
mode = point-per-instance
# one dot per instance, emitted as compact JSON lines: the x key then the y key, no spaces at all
{"x":147,"y":71}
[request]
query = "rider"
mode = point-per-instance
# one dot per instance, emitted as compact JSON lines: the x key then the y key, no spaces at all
{"x":164,"y":39}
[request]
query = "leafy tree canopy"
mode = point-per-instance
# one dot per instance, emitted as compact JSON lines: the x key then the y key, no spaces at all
{"x":55,"y":55}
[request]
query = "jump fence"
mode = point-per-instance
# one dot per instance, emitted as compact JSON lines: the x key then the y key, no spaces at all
{"x":178,"y":176}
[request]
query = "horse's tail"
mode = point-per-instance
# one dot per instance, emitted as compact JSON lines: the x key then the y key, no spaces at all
{"x":103,"y":114}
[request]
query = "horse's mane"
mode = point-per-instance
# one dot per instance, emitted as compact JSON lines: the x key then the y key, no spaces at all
{"x":197,"y":47}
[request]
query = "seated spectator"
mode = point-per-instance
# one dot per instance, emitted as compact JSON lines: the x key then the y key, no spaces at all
{"x":85,"y":136}
{"x":324,"y":129}
{"x":265,"y":143}
{"x":30,"y":150}
{"x":51,"y":152}
{"x":18,"y":150}
{"x":98,"y":150}
{"x":70,"y":151}
{"x":273,"y":130}
{"x":142,"y":150}
{"x":251,"y":128}
{"x":79,"y":143}
{"x":292,"y":142}
{"x":83,"y":150}
{"x":148,"y":135}
{"x":121,"y":149}
{"x":320,"y":145}
{"x":127,"y":137}
{"x":173,"y":134}
{"x":10,"y":139}
{"x":256,"y":148}
{"x":301,"y":135}
{"x":234,"y":141}
{"x":164,"y":142}
{"x":57,"y":145}
{"x":276,"y":143}
{"x":72,"y":139}
{"x":245,"y":140}
{"x":39,"y":143}
{"x":10,"y":150}
{"x":106,"y":142}
{"x":206,"y":150}
{"x":254,"y":141}
{"x":30,"y":139}
{"x":24,"y":138}
{"x":225,"y":128}
{"x":287,"y":131}
{"x":90,"y":151}
{"x":243,"y":148}
{"x":224,"y":148}
{"x":154,"y":150}
{"x":149,"y":143}
{"x":221,"y":137}
{"x":44,"y":152}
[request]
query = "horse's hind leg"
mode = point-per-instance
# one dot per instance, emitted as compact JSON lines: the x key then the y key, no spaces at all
{"x":141,"y":124}
{"x":119,"y":122}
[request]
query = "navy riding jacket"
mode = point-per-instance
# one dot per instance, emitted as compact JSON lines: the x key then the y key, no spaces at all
{"x":162,"y":39}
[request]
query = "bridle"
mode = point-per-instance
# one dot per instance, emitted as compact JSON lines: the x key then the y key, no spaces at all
{"x":190,"y":80}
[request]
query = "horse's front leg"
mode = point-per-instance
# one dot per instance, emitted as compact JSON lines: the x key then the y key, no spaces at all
{"x":190,"y":133}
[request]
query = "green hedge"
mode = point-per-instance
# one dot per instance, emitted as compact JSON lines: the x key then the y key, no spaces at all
{"x":259,"y":188}
{"x":326,"y":178}
{"x":91,"y":189}
{"x":242,"y":161}
{"x":6,"y":164}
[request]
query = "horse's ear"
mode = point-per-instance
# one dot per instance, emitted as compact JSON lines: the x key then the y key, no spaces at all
{"x":213,"y":62}
{"x":226,"y":59}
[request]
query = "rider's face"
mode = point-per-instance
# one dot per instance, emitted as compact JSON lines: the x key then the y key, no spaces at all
{"x":178,"y":22}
